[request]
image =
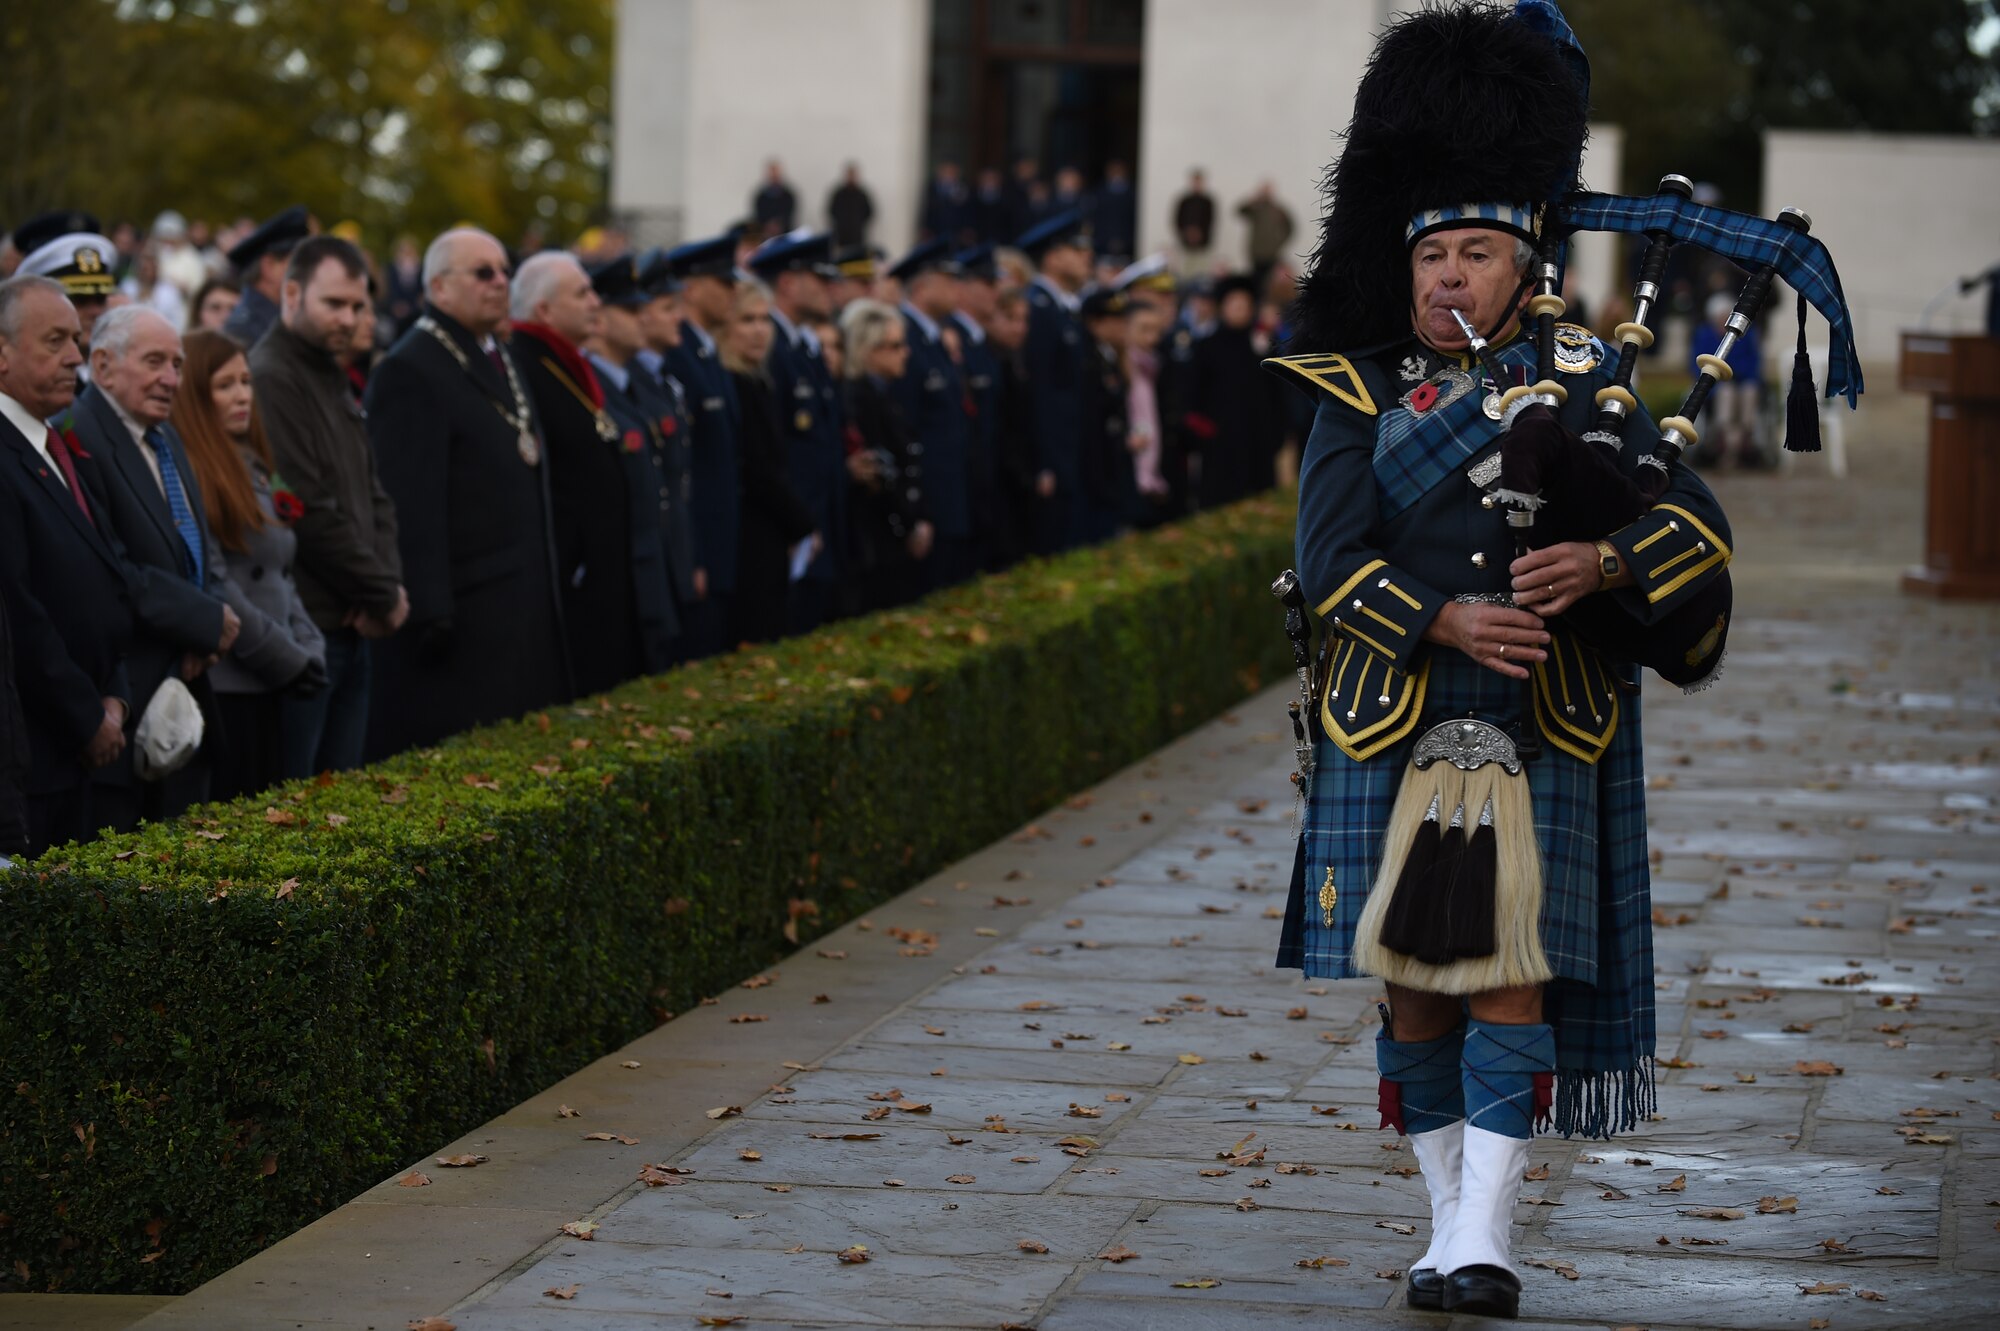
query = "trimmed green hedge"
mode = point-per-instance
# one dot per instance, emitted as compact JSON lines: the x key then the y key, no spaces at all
{"x":218,"y":1029}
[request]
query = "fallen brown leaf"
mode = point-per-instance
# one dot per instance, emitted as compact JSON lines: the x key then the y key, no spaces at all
{"x":432,"y":1324}
{"x":853,"y":1255}
{"x":1818,"y":1067}
{"x":1395,"y":1227}
{"x":561,"y":1292}
{"x":1825,"y":1287}
{"x":610,"y":1137}
{"x":1563,"y":1269}
{"x":564,"y":1111}
{"x":1712,"y":1212}
{"x":1032,"y":1245}
{"x":465,"y":1161}
{"x":1777,"y":1205}
{"x":581,"y":1229}
{"x":1205,"y":1282}
{"x":1117,"y":1253}
{"x":1678,"y":1185}
{"x":961,"y":1178}
{"x":1320,"y":1263}
{"x":725,"y":1111}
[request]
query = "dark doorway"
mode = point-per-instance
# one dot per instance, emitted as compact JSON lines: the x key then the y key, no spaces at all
{"x":1052,"y":80}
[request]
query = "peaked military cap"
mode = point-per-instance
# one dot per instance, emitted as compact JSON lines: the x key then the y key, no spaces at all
{"x":616,"y":282}
{"x":1148,"y":274}
{"x":802,"y":250}
{"x":857,"y":262}
{"x":278,"y":235}
{"x":978,"y":262}
{"x":714,"y":257}
{"x":656,"y":276}
{"x":1065,"y":228}
{"x":80,"y":261}
{"x":932,"y":256}
{"x":1104,"y":303}
{"x":39,"y":230}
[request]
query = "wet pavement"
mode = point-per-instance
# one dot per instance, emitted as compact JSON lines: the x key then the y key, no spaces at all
{"x":1103,"y":1108}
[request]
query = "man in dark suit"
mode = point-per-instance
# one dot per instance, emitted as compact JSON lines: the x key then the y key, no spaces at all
{"x":932,"y":396}
{"x":459,"y":451}
{"x":706,"y":270}
{"x":555,"y":311}
{"x":152,"y":508}
{"x":64,"y":583}
{"x":797,"y":266}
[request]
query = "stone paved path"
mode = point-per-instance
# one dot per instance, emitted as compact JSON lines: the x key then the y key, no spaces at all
{"x":1128,"y":1073}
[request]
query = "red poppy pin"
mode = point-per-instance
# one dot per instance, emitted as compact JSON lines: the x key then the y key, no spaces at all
{"x":285,"y":503}
{"x":634,"y":441}
{"x":667,"y":426}
{"x":72,"y":443}
{"x":1422,"y":397}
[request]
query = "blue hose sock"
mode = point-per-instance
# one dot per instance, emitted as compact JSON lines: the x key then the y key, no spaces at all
{"x":1423,"y":1087}
{"x":1509,"y":1077}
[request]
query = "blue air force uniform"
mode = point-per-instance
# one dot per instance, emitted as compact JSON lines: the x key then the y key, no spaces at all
{"x":932,"y":397}
{"x":697,"y":363}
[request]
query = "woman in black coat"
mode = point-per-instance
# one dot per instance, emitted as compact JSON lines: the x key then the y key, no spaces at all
{"x":775,"y":521}
{"x":1235,"y":418}
{"x":890,"y":534}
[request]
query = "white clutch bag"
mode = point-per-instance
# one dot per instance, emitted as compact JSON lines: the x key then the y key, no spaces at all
{"x":169,"y":732}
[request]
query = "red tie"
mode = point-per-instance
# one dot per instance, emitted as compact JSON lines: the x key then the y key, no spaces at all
{"x":60,"y":452}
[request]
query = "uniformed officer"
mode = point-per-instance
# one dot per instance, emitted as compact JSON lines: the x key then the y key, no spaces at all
{"x":933,"y":397}
{"x":666,"y":403}
{"x":797,"y":266}
{"x":706,"y":270}
{"x":1105,"y":464}
{"x":978,"y":301}
{"x":1529,"y":989}
{"x":259,"y":261}
{"x":81,"y":260}
{"x":1057,"y":361}
{"x":612,"y":351}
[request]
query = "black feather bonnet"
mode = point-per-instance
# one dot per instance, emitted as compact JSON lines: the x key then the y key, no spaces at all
{"x":1467,"y":104}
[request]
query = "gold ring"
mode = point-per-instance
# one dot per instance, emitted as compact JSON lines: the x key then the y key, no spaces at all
{"x":1552,"y":591}
{"x":1503,"y":649}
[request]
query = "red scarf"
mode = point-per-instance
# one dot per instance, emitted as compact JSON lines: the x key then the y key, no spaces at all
{"x":566,"y":354}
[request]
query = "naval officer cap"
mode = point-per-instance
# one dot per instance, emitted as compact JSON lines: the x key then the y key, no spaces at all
{"x":277,"y":235}
{"x":1067,"y":227}
{"x":978,"y":262}
{"x":42,"y":228}
{"x":713,"y":257}
{"x":656,"y":275}
{"x":799,"y":251}
{"x":1104,"y":303}
{"x":932,"y":256}
{"x":80,"y":261}
{"x":616,"y":282}
{"x":857,"y":262}
{"x":1148,"y":274}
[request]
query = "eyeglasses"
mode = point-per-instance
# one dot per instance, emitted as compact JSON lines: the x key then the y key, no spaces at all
{"x":486,"y":272}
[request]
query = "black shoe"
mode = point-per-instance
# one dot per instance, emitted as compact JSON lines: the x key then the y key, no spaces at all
{"x":1488,"y":1291}
{"x":1426,"y":1290}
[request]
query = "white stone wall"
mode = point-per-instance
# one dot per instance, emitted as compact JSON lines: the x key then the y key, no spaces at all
{"x":707,"y":90}
{"x":1905,"y":215}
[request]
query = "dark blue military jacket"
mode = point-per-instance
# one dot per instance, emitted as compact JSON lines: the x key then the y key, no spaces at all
{"x":815,"y":452}
{"x":665,"y":403}
{"x":1056,"y":355}
{"x":642,"y":454}
{"x":931,"y":395}
{"x":718,"y":480}
{"x":1396,"y":518}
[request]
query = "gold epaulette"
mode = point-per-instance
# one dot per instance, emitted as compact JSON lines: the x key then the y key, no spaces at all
{"x":1325,"y":373}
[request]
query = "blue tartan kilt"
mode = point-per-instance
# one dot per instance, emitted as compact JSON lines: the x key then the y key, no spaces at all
{"x":1590,"y":822}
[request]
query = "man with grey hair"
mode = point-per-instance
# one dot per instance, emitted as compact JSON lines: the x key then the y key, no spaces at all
{"x":459,"y":448}
{"x":65,"y":585}
{"x":349,"y":573}
{"x":152,"y":507}
{"x":556,"y":311}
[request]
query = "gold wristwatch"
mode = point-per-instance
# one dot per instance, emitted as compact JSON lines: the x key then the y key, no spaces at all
{"x":1609,"y":565}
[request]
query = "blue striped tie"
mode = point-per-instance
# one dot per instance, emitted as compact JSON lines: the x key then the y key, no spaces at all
{"x":177,"y":502}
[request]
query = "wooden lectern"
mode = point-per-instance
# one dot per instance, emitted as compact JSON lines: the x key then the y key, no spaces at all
{"x":1961,"y":372}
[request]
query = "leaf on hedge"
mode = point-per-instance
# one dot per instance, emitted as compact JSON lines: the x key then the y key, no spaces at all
{"x":581,"y":1229}
{"x":277,"y":817}
{"x":480,"y":781}
{"x":286,"y":888}
{"x":610,"y":1137}
{"x":414,"y":1179}
{"x":338,"y":820}
{"x":561,"y":1291}
{"x":465,"y":1161}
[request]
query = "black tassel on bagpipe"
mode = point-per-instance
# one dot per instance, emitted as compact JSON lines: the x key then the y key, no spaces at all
{"x":1802,"y":403}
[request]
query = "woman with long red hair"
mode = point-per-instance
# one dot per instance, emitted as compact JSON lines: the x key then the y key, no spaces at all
{"x":250,"y":513}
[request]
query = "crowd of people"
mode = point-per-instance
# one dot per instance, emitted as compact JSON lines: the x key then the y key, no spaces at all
{"x":276,"y":507}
